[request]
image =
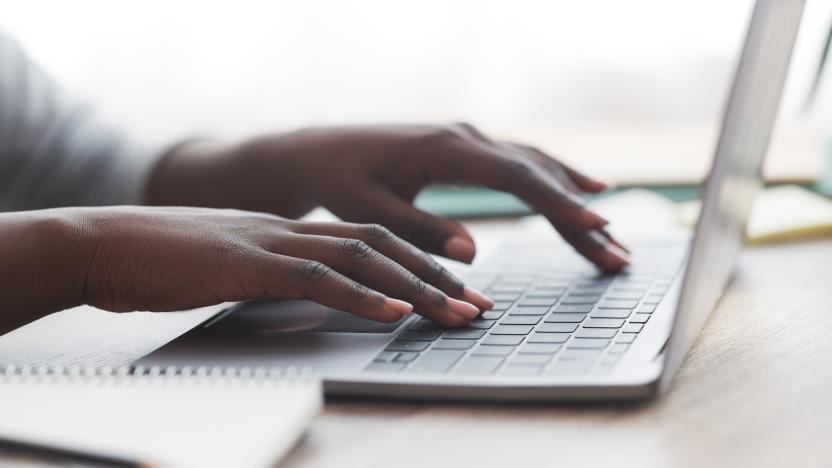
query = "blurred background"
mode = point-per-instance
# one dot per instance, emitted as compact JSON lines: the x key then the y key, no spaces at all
{"x":630,"y":91}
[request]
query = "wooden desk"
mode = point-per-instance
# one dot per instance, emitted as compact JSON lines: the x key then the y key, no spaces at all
{"x":755,"y":391}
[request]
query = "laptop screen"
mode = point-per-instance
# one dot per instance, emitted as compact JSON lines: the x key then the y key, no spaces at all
{"x":736,"y":173}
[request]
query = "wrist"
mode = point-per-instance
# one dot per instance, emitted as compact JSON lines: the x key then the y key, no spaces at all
{"x":45,"y":255}
{"x":187,"y":174}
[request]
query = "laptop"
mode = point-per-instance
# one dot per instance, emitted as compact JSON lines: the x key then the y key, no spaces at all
{"x":560,"y":330}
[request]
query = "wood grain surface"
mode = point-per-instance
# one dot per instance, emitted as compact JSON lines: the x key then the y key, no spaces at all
{"x":755,"y":391}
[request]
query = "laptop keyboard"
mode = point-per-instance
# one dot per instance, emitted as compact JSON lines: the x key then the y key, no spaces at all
{"x":553,"y":314}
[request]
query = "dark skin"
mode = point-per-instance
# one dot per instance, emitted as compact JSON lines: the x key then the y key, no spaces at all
{"x":374,"y":265}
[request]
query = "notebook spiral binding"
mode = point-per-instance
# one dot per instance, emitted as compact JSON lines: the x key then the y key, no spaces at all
{"x":156,"y":374}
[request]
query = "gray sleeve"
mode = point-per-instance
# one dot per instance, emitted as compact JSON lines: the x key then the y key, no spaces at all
{"x":53,"y":151}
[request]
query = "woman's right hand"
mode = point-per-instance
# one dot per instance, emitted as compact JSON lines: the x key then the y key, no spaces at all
{"x":166,"y":259}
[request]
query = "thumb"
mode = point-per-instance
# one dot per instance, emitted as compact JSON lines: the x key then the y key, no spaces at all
{"x":429,"y":232}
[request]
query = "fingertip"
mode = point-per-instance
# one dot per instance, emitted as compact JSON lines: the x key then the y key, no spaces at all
{"x":463,"y":309}
{"x":400,"y":307}
{"x":460,"y":248}
{"x":619,"y":259}
{"x":593,"y":220}
{"x":477,"y":298}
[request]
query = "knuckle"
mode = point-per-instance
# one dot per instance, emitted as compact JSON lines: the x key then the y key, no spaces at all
{"x":375,"y":232}
{"x":357,"y":249}
{"x":311,"y":272}
{"x":443,"y":133}
{"x":438,"y":273}
{"x":518,"y":172}
{"x":417,"y":285}
{"x":359,"y":291}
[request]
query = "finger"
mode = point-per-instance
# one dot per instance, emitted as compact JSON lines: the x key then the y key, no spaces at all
{"x":355,"y":259}
{"x":596,"y":248}
{"x":289,"y":277}
{"x":501,"y":168}
{"x":405,"y":254}
{"x":586,"y":183}
{"x":577,"y":179}
{"x":618,"y":244}
{"x":429,"y":232}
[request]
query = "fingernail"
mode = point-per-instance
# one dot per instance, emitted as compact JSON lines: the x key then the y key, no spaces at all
{"x":460,"y":248}
{"x":477,"y":298}
{"x":619,"y":253}
{"x":463,"y":309}
{"x":398,"y":306}
{"x":594,"y":219}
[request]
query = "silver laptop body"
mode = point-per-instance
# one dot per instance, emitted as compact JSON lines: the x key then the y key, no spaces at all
{"x":561,"y":331}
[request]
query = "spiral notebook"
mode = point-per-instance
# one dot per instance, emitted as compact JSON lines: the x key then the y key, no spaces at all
{"x":154,"y":417}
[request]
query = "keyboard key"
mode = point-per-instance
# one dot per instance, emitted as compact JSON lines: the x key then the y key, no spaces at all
{"x":579,"y":354}
{"x":573,"y":299}
{"x":627,"y":289}
{"x":502,"y":305}
{"x":557,"y":328}
{"x":486,"y":350}
{"x":423,"y":324}
{"x":640,"y":318}
{"x":529,"y":311}
{"x":491,"y":314}
{"x":436,"y":361}
{"x":554,"y":292}
{"x":572,"y":308}
{"x":596,"y":333}
{"x":590,"y":289}
{"x":407,"y":346}
{"x":412,"y":335}
{"x":530,"y":360}
{"x":385,"y":366}
{"x":540,"y":348}
{"x":406,"y":357}
{"x":652,"y":299}
{"x":463,"y":334}
{"x":453,"y":344}
{"x":614,"y":304}
{"x":504,"y":297}
{"x":520,"y":320}
{"x":480,"y":365}
{"x":587,"y":343}
{"x":548,"y":338}
{"x":507,"y":288}
{"x":611,"y":313}
{"x":624,"y":295}
{"x":618,"y":348}
{"x":632,"y":328}
{"x":646,"y":309}
{"x":538,"y":301}
{"x":480,"y":324}
{"x":503,"y":340}
{"x":603,"y":323}
{"x":626,"y":338}
{"x":386,"y":356}
{"x":564,"y":318}
{"x":511,"y":330}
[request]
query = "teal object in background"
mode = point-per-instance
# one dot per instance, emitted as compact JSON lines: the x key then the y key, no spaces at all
{"x":475,"y":202}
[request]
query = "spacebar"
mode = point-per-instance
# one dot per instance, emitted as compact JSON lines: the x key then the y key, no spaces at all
{"x":436,"y":361}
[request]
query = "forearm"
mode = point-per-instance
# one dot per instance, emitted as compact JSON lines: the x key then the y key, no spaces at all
{"x":254,"y":175}
{"x":43,"y":256}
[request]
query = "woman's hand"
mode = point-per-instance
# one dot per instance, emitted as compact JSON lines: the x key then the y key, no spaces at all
{"x":163,"y":259}
{"x":373,"y":174}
